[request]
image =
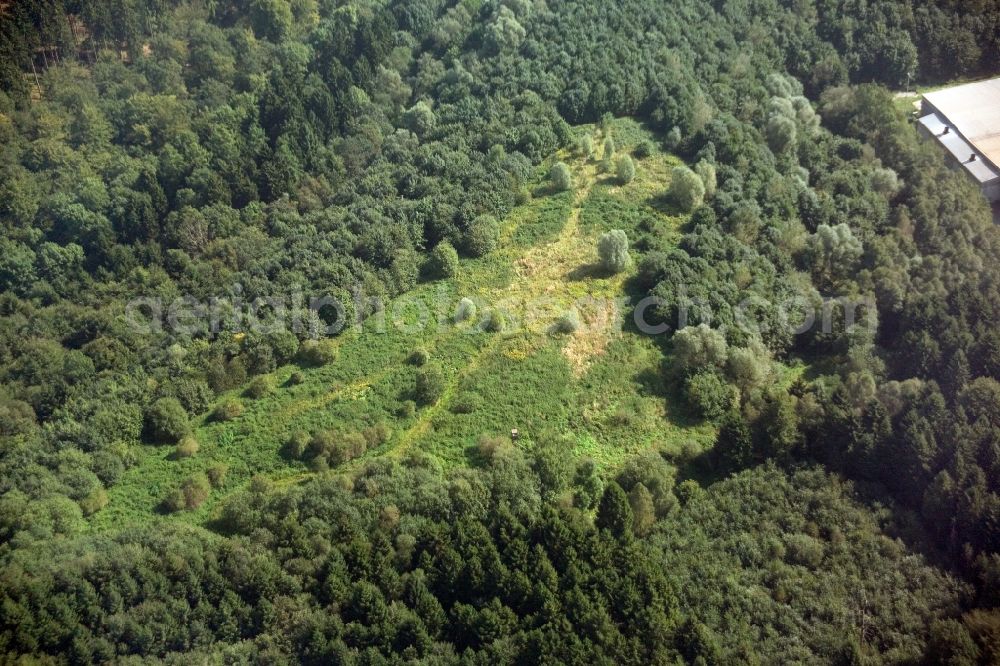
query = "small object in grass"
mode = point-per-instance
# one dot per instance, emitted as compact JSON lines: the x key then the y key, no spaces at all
{"x":514,"y":434}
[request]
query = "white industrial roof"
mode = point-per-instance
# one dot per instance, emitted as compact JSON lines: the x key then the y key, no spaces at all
{"x":959,"y":148}
{"x":974,"y":109}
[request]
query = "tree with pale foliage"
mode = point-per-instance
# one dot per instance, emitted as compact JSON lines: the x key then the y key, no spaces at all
{"x":780,"y":132}
{"x":885,"y":181}
{"x":625,"y":170}
{"x":612,"y":248}
{"x":834,"y":253}
{"x":706,"y":171}
{"x":561,"y":177}
{"x":687,"y":190}
{"x":699,"y":347}
{"x":643,"y":510}
{"x":419,"y":118}
{"x":609,"y":149}
{"x":504,"y":33}
{"x":748,"y":367}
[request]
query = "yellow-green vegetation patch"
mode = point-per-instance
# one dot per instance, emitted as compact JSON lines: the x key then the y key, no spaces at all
{"x":624,"y":407}
{"x":562,"y":367}
{"x":510,"y":387}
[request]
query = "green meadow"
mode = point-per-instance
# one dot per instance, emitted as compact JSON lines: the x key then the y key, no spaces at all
{"x":601,"y":389}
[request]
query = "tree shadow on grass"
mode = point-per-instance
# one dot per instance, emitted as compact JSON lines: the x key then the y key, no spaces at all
{"x":474,"y":457}
{"x":677,"y":409}
{"x":664,"y":204}
{"x":651,"y":384}
{"x":545,"y":190}
{"x":702,"y":468}
{"x":587,"y":272}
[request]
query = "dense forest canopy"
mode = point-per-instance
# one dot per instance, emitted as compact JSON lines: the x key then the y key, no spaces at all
{"x":847,"y":513}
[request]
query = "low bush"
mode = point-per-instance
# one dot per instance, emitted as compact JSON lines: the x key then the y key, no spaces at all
{"x":318,"y":352}
{"x":228,"y":410}
{"x":260,"y":387}
{"x":567,"y":323}
{"x":187,"y":447}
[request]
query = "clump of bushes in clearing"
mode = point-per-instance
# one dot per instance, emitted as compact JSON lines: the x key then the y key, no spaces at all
{"x":191,"y":494}
{"x":318,"y":352}
{"x":260,"y":387}
{"x":228,"y":410}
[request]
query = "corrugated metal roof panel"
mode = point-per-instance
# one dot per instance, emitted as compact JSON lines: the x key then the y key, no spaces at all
{"x":974,"y":109}
{"x":959,"y":148}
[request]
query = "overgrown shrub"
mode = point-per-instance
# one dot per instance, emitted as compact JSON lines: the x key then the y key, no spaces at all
{"x":430,"y":385}
{"x":466,"y":403}
{"x":419,"y":357}
{"x":612,"y":248}
{"x":228,"y":409}
{"x":96,"y":500}
{"x":187,"y":447}
{"x":495,"y":321}
{"x":710,"y":395}
{"x":167,"y":421}
{"x":329,"y":448}
{"x":318,"y":352}
{"x":297,"y":444}
{"x":217,"y":474}
{"x":443,"y":261}
{"x":260,"y":387}
{"x":561,"y":177}
{"x":483,"y":236}
{"x":465,"y":310}
{"x":492,"y":447}
{"x":625,"y":170}
{"x":706,"y":171}
{"x":568,"y":322}
{"x":686,"y":188}
{"x":192,"y":492}
{"x":378,"y":434}
{"x":644,"y":149}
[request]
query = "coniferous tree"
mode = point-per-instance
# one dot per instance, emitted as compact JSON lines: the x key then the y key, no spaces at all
{"x":614,"y":512}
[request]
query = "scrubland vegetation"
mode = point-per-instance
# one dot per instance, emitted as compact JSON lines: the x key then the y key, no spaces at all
{"x":728,"y":488}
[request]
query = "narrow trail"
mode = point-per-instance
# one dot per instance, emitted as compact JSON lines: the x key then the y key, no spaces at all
{"x":538,"y":272}
{"x":426,"y":418}
{"x":541,"y":271}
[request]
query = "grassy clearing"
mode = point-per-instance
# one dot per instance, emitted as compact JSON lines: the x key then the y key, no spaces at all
{"x":601,"y":388}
